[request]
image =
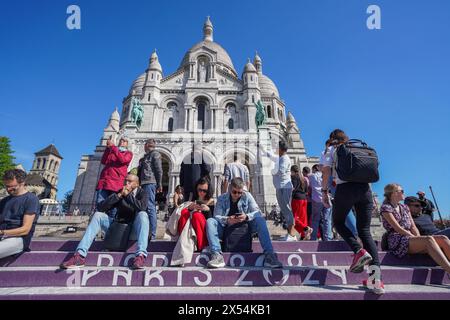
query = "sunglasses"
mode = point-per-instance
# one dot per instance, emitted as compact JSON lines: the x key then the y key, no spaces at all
{"x":416,"y":205}
{"x":401,"y":191}
{"x":202,"y":190}
{"x":237,"y":192}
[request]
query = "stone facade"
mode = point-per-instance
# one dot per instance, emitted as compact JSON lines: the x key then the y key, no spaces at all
{"x":204,"y":104}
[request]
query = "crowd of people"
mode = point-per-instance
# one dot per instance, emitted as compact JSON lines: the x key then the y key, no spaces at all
{"x":312,"y":203}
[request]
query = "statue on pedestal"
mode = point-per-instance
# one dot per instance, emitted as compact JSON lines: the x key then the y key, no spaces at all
{"x":137,"y":112}
{"x":260,"y":114}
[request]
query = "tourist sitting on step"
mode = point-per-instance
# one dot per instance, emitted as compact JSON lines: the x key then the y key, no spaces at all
{"x":424,"y":222}
{"x":404,"y":237}
{"x":115,"y":160}
{"x":233,"y":207}
{"x":131,"y":204}
{"x":192,"y":216}
{"x":18,"y":214}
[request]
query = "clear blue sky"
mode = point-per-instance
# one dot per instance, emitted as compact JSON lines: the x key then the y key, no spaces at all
{"x":390,"y":87}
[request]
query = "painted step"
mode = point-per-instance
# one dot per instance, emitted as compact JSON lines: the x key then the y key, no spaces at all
{"x":168,"y":246}
{"x":339,"y":258}
{"x":201,"y":277}
{"x":343,"y":292}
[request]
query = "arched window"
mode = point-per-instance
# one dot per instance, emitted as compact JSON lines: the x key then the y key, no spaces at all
{"x":38,"y":165}
{"x":269,"y":111}
{"x":201,"y":108}
{"x":44,"y":161}
{"x":231,"y":124}
{"x":170,"y":126}
{"x":253,"y":98}
{"x":56,"y":166}
{"x":50,"y":167}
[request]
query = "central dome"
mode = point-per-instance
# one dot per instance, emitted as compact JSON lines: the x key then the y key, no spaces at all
{"x":222,"y":56}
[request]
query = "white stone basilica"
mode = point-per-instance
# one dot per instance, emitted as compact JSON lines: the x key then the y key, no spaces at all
{"x":204,"y":104}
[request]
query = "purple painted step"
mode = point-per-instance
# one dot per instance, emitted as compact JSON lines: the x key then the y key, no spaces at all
{"x":182,"y":277}
{"x":42,"y":258}
{"x":168,"y":246}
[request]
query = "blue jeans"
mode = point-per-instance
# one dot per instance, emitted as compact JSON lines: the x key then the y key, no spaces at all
{"x":101,"y":196}
{"x":214,"y":232}
{"x":151,"y":209}
{"x":321,"y":216}
{"x":101,"y":221}
{"x":284,"y":198}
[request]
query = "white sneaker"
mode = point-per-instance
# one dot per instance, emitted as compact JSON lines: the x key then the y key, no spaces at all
{"x":289,"y":238}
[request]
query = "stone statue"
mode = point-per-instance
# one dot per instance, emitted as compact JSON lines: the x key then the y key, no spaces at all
{"x":260,"y":114}
{"x":202,"y":72}
{"x":137,"y":112}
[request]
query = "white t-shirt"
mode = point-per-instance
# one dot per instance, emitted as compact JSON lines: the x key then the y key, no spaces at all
{"x":328,"y":159}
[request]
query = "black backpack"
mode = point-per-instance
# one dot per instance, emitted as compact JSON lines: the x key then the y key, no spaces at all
{"x":117,"y":236}
{"x":237,"y":238}
{"x":357,"y":162}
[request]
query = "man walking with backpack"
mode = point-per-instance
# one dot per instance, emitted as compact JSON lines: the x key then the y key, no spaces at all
{"x":355,"y":166}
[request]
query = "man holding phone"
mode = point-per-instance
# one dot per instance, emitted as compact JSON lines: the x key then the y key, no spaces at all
{"x":233,"y":207}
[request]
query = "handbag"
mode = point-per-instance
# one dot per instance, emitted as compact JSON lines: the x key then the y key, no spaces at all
{"x":117,"y":236}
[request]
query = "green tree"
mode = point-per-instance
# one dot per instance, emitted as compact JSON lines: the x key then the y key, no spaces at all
{"x":6,"y":157}
{"x":67,"y":200}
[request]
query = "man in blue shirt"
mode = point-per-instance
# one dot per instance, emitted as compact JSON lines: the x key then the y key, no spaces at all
{"x":18,"y":214}
{"x":233,"y":207}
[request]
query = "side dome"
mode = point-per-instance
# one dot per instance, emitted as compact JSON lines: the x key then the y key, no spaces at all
{"x":138,"y":84}
{"x":267,"y":86}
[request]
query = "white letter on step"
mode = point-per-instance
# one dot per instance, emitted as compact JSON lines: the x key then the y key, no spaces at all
{"x":160,"y":256}
{"x":341,"y":274}
{"x":87,"y":275}
{"x":74,"y":280}
{"x":74,"y":20}
{"x":154,"y":275}
{"x":105,"y":256}
{"x":374,"y":21}
{"x":307,"y":280}
{"x":203,"y":283}
{"x":126,"y":274}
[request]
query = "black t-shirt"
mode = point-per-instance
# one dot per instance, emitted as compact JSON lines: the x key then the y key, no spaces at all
{"x":298,"y":192}
{"x":233,"y":207}
{"x":425,"y":225}
{"x":12,"y":210}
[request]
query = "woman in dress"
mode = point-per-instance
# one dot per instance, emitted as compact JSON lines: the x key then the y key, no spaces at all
{"x":403,"y":236}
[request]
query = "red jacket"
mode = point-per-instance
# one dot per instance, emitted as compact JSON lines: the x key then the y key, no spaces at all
{"x":116,"y":168}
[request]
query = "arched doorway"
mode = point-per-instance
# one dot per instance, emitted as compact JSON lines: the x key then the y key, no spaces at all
{"x":165,"y":167}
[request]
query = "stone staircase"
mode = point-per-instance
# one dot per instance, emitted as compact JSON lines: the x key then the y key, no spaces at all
{"x":312,"y":270}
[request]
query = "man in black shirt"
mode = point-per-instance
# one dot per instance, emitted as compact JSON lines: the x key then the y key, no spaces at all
{"x":18,"y":214}
{"x":423,"y":221}
{"x":429,"y":206}
{"x":131,"y":204}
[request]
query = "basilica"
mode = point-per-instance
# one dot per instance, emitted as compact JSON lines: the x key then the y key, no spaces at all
{"x":205,"y":104}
